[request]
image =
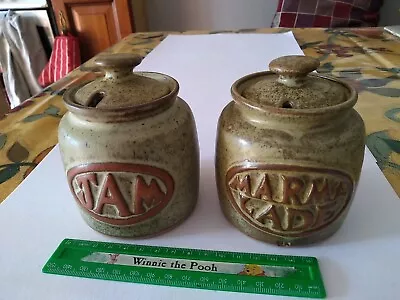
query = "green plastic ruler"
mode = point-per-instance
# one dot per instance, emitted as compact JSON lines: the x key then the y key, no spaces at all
{"x":190,"y":268}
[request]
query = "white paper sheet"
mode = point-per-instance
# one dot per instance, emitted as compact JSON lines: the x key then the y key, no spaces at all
{"x":361,"y":261}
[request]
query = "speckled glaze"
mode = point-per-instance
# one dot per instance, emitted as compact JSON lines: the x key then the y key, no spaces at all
{"x":131,"y":155}
{"x":289,"y":153}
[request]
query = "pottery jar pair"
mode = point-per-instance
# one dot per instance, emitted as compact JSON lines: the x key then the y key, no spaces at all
{"x":288,"y":154}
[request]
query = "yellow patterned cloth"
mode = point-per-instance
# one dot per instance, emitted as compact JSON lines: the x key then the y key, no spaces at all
{"x":369,"y":59}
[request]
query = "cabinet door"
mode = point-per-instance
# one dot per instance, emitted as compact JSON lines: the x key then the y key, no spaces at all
{"x":98,"y":23}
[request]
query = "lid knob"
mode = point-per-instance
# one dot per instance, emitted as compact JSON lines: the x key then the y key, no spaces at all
{"x":117,"y":65}
{"x":293,"y":69}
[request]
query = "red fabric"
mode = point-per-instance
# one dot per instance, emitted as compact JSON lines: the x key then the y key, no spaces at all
{"x":64,"y":58}
{"x":322,"y":21}
{"x":327,"y":13}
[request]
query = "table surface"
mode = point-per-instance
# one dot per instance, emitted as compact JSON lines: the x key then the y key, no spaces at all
{"x":367,"y":58}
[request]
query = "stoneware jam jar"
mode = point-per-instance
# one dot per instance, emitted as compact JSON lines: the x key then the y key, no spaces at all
{"x":289,"y":153}
{"x":130,"y":150}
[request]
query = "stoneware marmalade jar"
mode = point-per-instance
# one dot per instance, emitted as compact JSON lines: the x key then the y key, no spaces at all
{"x":130,"y":150}
{"x":289,"y":153}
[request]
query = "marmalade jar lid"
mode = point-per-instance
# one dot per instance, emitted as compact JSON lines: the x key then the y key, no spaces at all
{"x":289,"y":85}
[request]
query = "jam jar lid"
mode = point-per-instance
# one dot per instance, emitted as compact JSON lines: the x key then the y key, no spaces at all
{"x":289,"y":85}
{"x":120,"y":87}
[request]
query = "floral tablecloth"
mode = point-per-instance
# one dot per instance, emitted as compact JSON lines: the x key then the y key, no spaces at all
{"x":369,"y":59}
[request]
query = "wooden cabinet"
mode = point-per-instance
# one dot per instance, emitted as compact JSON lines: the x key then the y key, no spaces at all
{"x":98,"y":23}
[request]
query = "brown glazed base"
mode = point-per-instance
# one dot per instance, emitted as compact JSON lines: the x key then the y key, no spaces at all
{"x":127,"y":231}
{"x":302,"y":240}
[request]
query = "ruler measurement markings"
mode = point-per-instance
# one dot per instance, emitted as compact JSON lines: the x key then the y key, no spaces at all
{"x":110,"y":269}
{"x":182,"y":284}
{"x":250,"y":280}
{"x":215,"y":255}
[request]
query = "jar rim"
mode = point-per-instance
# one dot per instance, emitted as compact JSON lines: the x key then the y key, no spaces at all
{"x":238,"y":98}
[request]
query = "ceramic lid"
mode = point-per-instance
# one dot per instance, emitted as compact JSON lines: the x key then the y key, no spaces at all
{"x":289,"y":85}
{"x":120,"y":87}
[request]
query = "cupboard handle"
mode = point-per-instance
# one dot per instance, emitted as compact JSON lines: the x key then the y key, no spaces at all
{"x":63,"y":23}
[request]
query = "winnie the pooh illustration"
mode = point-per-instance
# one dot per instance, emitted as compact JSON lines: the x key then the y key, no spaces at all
{"x":252,"y":270}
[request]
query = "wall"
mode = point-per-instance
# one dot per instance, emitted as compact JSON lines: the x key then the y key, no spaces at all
{"x":179,"y":15}
{"x":8,"y":4}
{"x":390,"y":13}
{"x":139,"y":15}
